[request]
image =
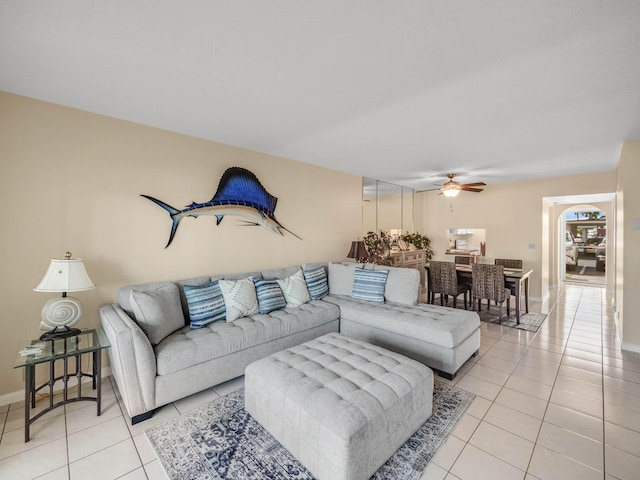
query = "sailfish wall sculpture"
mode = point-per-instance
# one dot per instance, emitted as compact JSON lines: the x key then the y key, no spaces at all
{"x":239,"y":193}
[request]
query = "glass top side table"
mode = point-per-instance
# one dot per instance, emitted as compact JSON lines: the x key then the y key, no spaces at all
{"x":88,"y":342}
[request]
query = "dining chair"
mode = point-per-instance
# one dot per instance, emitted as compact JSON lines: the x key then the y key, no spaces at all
{"x":464,"y":260}
{"x":444,"y":280}
{"x":509,"y":263}
{"x":488,"y":283}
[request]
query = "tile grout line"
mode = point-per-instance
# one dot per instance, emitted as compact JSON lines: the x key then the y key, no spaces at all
{"x":535,"y":443}
{"x":557,"y":374}
{"x":604,"y":438}
{"x":564,"y":349}
{"x":66,"y":439}
{"x":124,"y":418}
{"x":467,"y":442}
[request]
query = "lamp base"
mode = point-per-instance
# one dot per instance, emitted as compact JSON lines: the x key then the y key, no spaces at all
{"x":56,"y":333}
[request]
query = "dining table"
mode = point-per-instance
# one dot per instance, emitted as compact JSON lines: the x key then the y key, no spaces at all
{"x":516,"y":277}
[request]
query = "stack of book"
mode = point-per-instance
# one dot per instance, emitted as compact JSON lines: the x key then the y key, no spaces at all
{"x":35,"y":349}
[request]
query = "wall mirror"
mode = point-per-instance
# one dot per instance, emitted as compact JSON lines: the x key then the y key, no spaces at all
{"x":386,"y":206}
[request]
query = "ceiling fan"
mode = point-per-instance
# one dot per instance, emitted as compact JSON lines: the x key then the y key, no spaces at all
{"x":451,"y":188}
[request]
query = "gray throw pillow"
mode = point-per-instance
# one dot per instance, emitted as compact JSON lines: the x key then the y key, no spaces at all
{"x":341,"y":278}
{"x":158,"y":311}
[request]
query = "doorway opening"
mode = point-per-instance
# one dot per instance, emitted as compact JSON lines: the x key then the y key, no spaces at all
{"x":585,"y":240}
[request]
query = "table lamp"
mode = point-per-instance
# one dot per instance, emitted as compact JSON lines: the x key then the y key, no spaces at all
{"x":358,"y":251}
{"x":59,"y":314}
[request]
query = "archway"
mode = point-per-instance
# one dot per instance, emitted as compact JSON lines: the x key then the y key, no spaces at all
{"x":554,"y":235}
{"x":585,"y":233}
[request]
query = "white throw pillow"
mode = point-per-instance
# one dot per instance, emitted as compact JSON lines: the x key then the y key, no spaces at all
{"x":295,"y":289}
{"x":240,"y":298}
{"x":158,"y":311}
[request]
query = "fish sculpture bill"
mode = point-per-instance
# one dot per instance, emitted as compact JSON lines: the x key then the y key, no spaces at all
{"x":239,"y":193}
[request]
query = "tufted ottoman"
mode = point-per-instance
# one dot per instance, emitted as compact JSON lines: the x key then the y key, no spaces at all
{"x":340,"y":406}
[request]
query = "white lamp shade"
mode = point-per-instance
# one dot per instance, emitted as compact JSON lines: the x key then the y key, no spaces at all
{"x":451,"y":190}
{"x":65,"y":276}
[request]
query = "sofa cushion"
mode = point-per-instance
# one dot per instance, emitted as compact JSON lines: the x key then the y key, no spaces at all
{"x":294,"y":289}
{"x":188,"y":347}
{"x":239,"y":298}
{"x":206,"y":304}
{"x":369,"y":285}
{"x":240,"y":276}
{"x":316,"y":279}
{"x":403,"y":285}
{"x":341,"y":278}
{"x":158,"y":311}
{"x":443,"y":326}
{"x":124,"y":293}
{"x":269,"y":295}
{"x":279,"y":273}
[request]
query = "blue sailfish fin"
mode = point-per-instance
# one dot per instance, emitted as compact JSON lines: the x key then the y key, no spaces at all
{"x":239,"y":186}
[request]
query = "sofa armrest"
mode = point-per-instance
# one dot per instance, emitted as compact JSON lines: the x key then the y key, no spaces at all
{"x":133,"y":361}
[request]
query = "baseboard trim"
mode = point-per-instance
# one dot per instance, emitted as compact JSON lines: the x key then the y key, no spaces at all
{"x":18,"y":396}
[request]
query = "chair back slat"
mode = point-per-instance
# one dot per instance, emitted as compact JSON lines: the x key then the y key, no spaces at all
{"x":509,"y":262}
{"x":488,"y":282}
{"x":462,"y":260}
{"x":443,"y":277}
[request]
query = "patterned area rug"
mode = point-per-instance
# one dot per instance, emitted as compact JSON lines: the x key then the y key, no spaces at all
{"x":528,"y":321}
{"x":222,"y":441}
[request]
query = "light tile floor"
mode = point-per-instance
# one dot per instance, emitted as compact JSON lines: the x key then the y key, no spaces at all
{"x":563,"y":403}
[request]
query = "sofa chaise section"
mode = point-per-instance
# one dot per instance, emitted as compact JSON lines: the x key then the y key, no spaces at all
{"x":440,"y":337}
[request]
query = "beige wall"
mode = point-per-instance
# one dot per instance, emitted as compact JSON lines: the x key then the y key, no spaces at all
{"x":71,"y":180}
{"x":628,"y":245}
{"x":514,"y":216}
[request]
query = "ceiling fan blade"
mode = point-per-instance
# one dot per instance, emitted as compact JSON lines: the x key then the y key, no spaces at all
{"x":471,"y":189}
{"x":427,"y":190}
{"x":476,"y":184}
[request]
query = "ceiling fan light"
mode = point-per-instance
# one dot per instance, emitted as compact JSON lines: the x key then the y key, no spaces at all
{"x":451,"y":190}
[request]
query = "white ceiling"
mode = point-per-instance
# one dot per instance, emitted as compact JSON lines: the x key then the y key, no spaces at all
{"x":402,"y":91}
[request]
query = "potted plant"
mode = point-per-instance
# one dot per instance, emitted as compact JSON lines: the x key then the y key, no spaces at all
{"x":420,"y":242}
{"x":378,"y":247}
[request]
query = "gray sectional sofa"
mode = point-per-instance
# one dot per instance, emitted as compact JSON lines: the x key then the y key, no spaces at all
{"x":157,"y":357}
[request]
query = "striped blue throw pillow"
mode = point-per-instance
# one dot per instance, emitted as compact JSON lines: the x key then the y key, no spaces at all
{"x":270,"y":296}
{"x":316,"y":279}
{"x":205,"y":303}
{"x":369,"y":285}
